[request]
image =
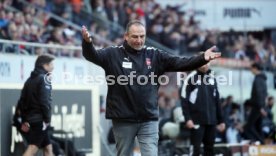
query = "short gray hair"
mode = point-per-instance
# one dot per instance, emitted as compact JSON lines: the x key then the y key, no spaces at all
{"x":133,"y":22}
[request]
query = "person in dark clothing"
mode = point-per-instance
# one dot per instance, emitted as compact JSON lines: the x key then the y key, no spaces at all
{"x":268,"y":127}
{"x":227,"y":107}
{"x":202,"y":111}
{"x":33,"y":110}
{"x":253,"y":128}
{"x":132,"y":97}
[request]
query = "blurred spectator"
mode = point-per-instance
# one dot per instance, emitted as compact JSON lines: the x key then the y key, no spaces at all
{"x":121,"y":12}
{"x":270,"y":56}
{"x":110,"y":10}
{"x":155,"y":31}
{"x":209,"y":41}
{"x":230,"y":111}
{"x":165,"y":105}
{"x":233,"y":132}
{"x":98,"y":8}
{"x":268,"y":127}
{"x":227,"y":108}
{"x":239,"y":51}
{"x":61,"y":8}
{"x":3,"y":21}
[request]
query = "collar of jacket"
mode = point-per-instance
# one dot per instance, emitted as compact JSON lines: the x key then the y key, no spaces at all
{"x":130,"y":49}
{"x":261,"y":75}
{"x":37,"y":71}
{"x":207,"y":73}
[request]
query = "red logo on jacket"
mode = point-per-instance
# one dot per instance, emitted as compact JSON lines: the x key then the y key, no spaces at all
{"x":148,"y":61}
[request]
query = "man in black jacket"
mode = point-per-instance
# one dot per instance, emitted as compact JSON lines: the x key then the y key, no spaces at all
{"x":253,"y":128}
{"x":132,"y":97}
{"x":33,"y":110}
{"x":201,"y":109}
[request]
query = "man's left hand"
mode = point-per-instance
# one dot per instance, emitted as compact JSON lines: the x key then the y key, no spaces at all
{"x":211,"y":55}
{"x":25,"y":127}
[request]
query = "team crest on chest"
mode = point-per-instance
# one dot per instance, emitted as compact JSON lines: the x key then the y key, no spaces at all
{"x":148,"y":63}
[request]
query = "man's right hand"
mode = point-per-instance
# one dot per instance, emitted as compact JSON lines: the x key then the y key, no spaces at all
{"x":86,"y":34}
{"x":190,"y":124}
{"x":25,"y":127}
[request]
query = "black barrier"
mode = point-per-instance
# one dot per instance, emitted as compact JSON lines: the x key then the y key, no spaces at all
{"x":72,"y":113}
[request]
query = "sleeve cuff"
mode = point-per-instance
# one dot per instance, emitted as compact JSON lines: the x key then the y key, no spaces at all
{"x":203,"y":58}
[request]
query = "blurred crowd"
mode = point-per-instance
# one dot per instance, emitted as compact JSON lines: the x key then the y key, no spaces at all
{"x":178,"y":30}
{"x":26,"y":23}
{"x":172,"y":27}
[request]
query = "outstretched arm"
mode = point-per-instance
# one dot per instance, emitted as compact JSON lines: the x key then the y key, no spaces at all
{"x":88,"y":50}
{"x":175,"y":63}
{"x":86,"y":35}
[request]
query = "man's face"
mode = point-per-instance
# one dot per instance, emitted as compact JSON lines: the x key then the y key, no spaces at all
{"x":253,"y":70}
{"x":136,"y":37}
{"x":271,"y":102}
{"x":49,"y":67}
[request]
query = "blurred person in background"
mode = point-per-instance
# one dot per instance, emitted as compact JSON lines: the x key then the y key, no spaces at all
{"x":133,"y":107}
{"x":253,"y":128}
{"x":202,"y":111}
{"x":268,"y":127}
{"x":33,"y":111}
{"x":234,"y":128}
{"x":227,"y":105}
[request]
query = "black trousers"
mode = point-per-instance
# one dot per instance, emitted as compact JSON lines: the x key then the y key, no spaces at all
{"x":253,"y":128}
{"x":204,"y":134}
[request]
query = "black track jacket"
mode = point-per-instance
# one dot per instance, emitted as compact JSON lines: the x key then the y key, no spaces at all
{"x":131,"y":101}
{"x":259,"y":91}
{"x":35,"y":100}
{"x":201,"y":104}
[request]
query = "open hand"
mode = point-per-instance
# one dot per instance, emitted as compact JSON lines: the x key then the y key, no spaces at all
{"x":86,"y":34}
{"x":210,"y":54}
